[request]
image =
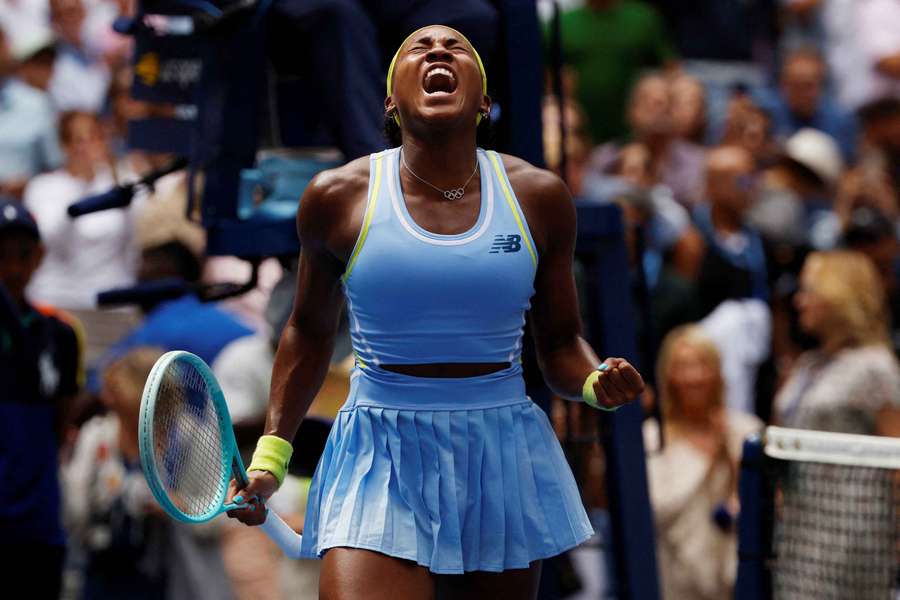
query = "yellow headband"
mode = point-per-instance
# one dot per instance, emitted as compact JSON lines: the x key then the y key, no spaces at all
{"x":390,"y":73}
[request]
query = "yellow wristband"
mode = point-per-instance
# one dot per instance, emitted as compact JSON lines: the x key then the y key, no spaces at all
{"x":273,"y":455}
{"x":587,"y":390}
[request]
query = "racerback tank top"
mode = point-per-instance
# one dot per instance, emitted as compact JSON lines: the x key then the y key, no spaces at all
{"x":414,"y":296}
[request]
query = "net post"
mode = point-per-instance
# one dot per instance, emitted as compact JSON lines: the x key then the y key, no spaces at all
{"x":752,"y":576}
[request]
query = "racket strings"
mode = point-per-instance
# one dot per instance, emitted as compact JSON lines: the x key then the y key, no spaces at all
{"x":187,"y":441}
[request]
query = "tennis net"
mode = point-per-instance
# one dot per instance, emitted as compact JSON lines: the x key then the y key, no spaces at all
{"x":825,"y":508}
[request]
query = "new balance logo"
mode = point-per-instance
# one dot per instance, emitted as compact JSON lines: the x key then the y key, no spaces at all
{"x":507,"y":243}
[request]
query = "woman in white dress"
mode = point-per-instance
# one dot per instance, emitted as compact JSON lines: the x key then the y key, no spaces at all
{"x":693,"y":475}
{"x":94,"y":252}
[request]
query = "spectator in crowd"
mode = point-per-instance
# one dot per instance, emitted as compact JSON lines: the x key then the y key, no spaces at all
{"x":577,"y":143}
{"x":850,"y":382}
{"x":39,"y":358}
{"x":801,"y":24}
{"x":80,"y":77}
{"x":88,"y":254}
{"x":748,"y":126}
{"x":879,"y":38}
{"x":693,"y":475}
{"x":608,"y":43}
{"x":861,"y":45}
{"x":23,"y":18}
{"x":121,"y":109}
{"x":28,"y":144}
{"x":674,"y":162}
{"x":133,"y":549}
{"x":803,"y":101}
{"x":671,"y":296}
{"x":871,"y":233}
{"x":795,"y":207}
{"x":688,"y":98}
{"x":734,"y":265}
{"x":868,"y":184}
{"x":732,"y":285}
{"x":741,"y":329}
{"x":35,"y":57}
{"x":881,"y":138}
{"x":101,"y":39}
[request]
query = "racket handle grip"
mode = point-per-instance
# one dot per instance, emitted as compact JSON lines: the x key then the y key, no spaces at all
{"x":281,"y":533}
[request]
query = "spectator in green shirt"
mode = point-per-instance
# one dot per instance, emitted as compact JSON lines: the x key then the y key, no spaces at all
{"x":608,"y":42}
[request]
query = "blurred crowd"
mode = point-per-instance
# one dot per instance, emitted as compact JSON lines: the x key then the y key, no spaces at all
{"x":77,"y":370}
{"x":754,"y":150}
{"x":752,"y":145}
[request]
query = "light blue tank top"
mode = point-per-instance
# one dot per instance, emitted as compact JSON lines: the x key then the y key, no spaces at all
{"x":419,"y":297}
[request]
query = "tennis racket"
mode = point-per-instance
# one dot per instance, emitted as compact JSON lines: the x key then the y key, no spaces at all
{"x":188,"y":451}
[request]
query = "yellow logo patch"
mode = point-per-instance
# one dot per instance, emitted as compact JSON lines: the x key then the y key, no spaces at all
{"x":147,"y":68}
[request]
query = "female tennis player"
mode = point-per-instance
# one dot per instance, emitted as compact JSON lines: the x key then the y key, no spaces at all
{"x":440,"y":478}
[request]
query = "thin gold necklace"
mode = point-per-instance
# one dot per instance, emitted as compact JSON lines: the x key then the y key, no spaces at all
{"x":452,"y":193}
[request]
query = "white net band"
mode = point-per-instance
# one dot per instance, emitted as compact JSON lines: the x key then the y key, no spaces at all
{"x":833,"y":448}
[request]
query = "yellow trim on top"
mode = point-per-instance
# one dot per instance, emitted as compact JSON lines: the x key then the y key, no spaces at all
{"x":370,"y":210}
{"x":512,"y":206}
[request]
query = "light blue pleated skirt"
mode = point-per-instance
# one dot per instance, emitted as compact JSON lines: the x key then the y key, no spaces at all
{"x":455,"y":474}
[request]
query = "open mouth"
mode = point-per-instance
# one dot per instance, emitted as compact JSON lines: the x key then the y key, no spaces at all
{"x":439,"y":80}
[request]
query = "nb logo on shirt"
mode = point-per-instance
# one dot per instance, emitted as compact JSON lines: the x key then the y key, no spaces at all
{"x":506,"y":243}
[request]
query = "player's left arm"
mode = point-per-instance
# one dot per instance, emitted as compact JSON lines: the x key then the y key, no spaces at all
{"x":565,"y":358}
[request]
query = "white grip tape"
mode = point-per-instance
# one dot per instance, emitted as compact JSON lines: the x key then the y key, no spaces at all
{"x":280,"y":533}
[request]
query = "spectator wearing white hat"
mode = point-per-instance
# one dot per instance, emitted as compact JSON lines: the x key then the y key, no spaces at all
{"x":28,"y":144}
{"x":22,"y":18}
{"x":35,"y":54}
{"x":795,"y":206}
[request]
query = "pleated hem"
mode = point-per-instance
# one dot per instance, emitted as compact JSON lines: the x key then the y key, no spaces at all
{"x":447,"y":570}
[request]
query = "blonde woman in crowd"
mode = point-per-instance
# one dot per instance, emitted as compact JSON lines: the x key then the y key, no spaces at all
{"x":850,"y":383}
{"x":693,"y":475}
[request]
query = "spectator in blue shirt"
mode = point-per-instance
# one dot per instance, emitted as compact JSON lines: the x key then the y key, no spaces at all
{"x":28,"y":144}
{"x":734,"y":264}
{"x":185,"y":323}
{"x":802,"y":100}
{"x":39,"y":358}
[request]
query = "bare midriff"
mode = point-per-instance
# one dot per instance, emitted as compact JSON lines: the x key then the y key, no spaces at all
{"x":447,"y":369}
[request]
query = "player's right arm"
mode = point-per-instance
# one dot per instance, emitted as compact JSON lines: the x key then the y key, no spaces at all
{"x":328,"y":221}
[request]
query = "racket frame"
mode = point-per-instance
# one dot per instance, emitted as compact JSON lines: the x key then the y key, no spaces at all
{"x":231,"y":458}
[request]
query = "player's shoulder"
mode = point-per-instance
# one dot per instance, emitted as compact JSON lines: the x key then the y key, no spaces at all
{"x":533,"y":183}
{"x":332,"y":194}
{"x":336,"y":185}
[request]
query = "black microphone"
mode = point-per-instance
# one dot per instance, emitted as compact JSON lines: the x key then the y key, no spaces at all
{"x":147,"y":293}
{"x":121,"y":195}
{"x":118,"y":197}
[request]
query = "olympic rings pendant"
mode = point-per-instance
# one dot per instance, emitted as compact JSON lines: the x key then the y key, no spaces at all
{"x":454,"y":194}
